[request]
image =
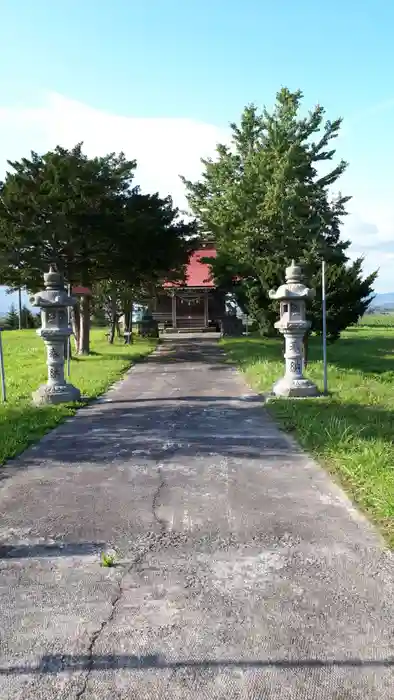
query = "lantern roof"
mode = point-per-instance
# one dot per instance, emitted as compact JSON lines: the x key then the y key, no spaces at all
{"x":293,"y":287}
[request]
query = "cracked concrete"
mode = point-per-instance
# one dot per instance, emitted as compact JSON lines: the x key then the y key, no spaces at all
{"x":106,"y":621}
{"x":244,"y":573}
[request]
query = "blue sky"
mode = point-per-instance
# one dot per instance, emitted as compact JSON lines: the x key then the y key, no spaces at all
{"x":161,"y":79}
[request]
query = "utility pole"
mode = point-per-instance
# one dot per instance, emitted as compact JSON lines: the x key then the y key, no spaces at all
{"x":324,"y":325}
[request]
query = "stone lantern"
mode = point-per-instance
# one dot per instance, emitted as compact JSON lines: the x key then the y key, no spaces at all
{"x":54,"y":302}
{"x":293,"y":325}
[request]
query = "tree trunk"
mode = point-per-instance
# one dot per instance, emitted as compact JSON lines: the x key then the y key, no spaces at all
{"x":128,"y":322}
{"x":76,"y":324}
{"x":131,"y":340}
{"x":84,"y":334}
{"x":114,"y":319}
{"x":112,"y":331}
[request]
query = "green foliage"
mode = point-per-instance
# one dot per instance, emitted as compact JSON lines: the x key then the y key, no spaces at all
{"x":267,"y":199}
{"x":60,"y":207}
{"x":12,"y":319}
{"x":85,"y":215}
{"x":348,"y":297}
{"x":29,"y":320}
{"x":108,"y":559}
{"x":98,"y":317}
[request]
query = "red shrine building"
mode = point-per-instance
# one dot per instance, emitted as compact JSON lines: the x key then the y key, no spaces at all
{"x":195,"y":304}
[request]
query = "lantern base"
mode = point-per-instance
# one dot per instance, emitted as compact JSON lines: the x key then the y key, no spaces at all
{"x":297,"y":388}
{"x":65,"y":393}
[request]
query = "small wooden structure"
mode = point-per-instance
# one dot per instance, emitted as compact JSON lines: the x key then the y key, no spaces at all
{"x":195,"y":305}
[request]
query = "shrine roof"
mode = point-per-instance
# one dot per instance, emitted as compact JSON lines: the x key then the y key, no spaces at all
{"x":198,"y":274}
{"x":81,"y":291}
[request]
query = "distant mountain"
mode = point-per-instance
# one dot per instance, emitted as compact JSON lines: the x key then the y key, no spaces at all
{"x":383,"y":301}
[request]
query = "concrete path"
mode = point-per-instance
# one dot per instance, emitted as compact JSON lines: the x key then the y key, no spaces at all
{"x":245,"y":573}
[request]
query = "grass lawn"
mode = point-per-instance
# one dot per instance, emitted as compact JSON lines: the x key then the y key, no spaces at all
{"x":351,"y":432}
{"x":21,"y":423}
{"x":377,"y":321}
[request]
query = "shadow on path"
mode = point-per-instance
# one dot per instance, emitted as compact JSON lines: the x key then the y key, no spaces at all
{"x":57,"y":549}
{"x":56,"y":663}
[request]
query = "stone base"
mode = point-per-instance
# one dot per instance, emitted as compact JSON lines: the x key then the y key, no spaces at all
{"x":46,"y":394}
{"x":297,"y":388}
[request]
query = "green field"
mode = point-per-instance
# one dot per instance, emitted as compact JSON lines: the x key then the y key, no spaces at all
{"x":25,"y":368}
{"x":351,"y":432}
{"x":377,"y":321}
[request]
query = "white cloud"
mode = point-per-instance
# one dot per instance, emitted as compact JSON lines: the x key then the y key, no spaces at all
{"x":165,"y":148}
{"x":371,"y":221}
{"x":377,"y":260}
{"x":370,"y":228}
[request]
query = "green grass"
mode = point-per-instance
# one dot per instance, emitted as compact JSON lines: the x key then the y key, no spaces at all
{"x":21,"y":423}
{"x":377,"y":320}
{"x":351,"y":432}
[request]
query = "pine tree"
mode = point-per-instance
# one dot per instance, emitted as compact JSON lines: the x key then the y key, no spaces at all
{"x":267,"y":198}
{"x":29,"y":320}
{"x":12,"y":319}
{"x":85,"y":215}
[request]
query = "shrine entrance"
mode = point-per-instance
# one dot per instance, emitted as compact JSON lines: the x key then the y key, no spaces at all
{"x":191,"y":310}
{"x":196,"y":304}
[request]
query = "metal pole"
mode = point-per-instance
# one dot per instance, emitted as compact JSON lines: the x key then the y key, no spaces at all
{"x":2,"y":373}
{"x":324,"y":320}
{"x":69,"y":337}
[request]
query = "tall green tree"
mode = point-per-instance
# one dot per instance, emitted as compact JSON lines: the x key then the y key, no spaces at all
{"x":85,"y":215}
{"x":11,"y":322}
{"x":59,"y":207}
{"x":153,"y":244}
{"x":269,"y":197}
{"x":29,"y":320}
